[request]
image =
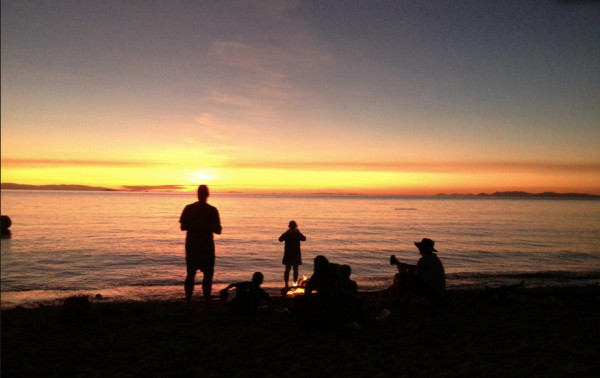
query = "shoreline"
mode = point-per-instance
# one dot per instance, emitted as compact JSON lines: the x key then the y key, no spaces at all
{"x":456,"y":282}
{"x":504,"y":331}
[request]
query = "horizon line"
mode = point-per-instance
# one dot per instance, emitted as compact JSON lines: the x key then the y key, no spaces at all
{"x":192,"y":188}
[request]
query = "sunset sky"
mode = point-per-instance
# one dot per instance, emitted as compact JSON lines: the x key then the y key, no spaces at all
{"x":379,"y":97}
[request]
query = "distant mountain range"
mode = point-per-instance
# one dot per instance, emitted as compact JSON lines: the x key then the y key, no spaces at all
{"x":516,"y":194}
{"x":53,"y":187}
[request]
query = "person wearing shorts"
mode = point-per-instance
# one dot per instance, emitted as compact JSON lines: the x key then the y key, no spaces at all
{"x":201,"y":221}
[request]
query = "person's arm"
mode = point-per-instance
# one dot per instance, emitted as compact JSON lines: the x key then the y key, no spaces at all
{"x":406,"y":267}
{"x":311,"y":284}
{"x":403,"y":267}
{"x":302,"y":237}
{"x":282,"y":237}
{"x":182,"y":220}
{"x":217,"y":226}
{"x":225,"y":292}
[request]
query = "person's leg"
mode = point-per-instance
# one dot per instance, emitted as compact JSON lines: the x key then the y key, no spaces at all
{"x":286,"y":275}
{"x":404,"y":280}
{"x":207,"y":285}
{"x":421,"y":292}
{"x":295,"y":273}
{"x":189,"y":285}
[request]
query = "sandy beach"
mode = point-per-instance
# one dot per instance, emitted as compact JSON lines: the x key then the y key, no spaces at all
{"x":550,"y":332}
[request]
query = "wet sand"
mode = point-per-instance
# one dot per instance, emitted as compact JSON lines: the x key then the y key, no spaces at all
{"x":551,"y":332}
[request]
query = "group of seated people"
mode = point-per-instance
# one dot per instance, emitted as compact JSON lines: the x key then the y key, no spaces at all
{"x":331,"y":294}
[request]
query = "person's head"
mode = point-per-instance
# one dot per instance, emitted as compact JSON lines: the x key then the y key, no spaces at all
{"x":426,"y":246}
{"x":202,"y":193}
{"x":345,"y":271}
{"x":320,"y":262}
{"x":257,"y":278}
{"x":293,"y":224}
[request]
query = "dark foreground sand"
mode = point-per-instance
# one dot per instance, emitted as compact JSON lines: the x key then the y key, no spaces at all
{"x":552,"y":332}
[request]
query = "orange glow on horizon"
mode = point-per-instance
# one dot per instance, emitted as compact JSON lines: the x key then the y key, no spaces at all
{"x":306,"y":180}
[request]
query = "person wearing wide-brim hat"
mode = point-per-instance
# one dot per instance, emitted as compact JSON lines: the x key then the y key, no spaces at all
{"x":427,"y":279}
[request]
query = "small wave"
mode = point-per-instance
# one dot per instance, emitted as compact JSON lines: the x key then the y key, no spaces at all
{"x":526,"y":275}
{"x":530,"y":279}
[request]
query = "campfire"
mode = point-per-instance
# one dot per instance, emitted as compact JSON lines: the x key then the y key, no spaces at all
{"x":297,"y":288}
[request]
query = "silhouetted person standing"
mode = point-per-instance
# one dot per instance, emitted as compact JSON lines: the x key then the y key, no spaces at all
{"x":201,"y":221}
{"x":291,"y":255}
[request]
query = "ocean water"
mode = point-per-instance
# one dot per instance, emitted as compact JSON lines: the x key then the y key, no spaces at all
{"x":128,"y":246}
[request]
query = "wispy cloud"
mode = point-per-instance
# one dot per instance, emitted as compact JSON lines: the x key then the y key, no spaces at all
{"x":153,"y":188}
{"x":270,"y":71}
{"x":267,"y":65}
{"x":245,"y":108}
{"x":263,"y":63}
{"x":214,"y":127}
{"x":275,"y":62}
{"x":15,"y":162}
{"x":419,"y":166}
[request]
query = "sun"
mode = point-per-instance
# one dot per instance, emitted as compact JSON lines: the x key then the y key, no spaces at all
{"x":203,"y":176}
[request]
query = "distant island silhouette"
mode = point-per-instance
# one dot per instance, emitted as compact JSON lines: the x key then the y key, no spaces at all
{"x":518,"y":194}
{"x":507,"y":194}
{"x":67,"y":187}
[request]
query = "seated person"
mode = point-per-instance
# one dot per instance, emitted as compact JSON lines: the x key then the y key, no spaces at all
{"x":323,"y":280}
{"x":321,"y":296}
{"x":426,"y":280}
{"x":348,"y":289}
{"x":246,"y":297}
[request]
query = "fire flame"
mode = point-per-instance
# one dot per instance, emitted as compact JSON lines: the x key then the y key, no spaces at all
{"x":297,"y":288}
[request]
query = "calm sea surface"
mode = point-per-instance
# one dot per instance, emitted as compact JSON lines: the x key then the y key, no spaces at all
{"x":128,"y":246}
